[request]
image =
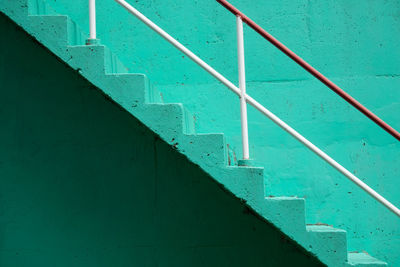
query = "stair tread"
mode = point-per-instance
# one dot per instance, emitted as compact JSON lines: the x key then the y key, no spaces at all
{"x":48,"y":15}
{"x":284,"y":198}
{"x":356,"y":258}
{"x":323,"y":228}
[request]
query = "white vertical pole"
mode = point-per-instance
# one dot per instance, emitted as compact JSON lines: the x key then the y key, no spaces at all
{"x":92,"y":19}
{"x":242,"y":87}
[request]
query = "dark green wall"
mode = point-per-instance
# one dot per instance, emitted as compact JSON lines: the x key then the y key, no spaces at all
{"x":83,"y":183}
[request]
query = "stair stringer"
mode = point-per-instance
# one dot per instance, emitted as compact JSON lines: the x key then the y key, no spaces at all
{"x":174,"y":124}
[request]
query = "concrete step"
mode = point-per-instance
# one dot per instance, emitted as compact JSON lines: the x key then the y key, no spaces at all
{"x":363,"y":259}
{"x":288,"y":214}
{"x":330,"y":244}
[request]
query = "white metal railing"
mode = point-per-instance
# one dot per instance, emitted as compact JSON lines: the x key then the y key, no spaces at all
{"x":246,"y":99}
{"x":242,"y":87}
{"x":92,"y":23}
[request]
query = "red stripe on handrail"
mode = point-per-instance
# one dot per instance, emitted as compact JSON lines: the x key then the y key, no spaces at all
{"x":311,"y":70}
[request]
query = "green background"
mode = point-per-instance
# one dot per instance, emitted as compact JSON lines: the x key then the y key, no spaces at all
{"x":355,"y":43}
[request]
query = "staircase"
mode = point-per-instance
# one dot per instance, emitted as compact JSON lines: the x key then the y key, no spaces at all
{"x":176,"y":125}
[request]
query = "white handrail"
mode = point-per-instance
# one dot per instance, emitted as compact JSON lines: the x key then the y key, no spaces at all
{"x":92,"y":20}
{"x":262,"y":109}
{"x":242,"y":87}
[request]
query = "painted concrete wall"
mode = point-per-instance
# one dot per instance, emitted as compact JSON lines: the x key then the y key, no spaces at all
{"x":353,"y":42}
{"x":356,"y":43}
{"x":83,"y":183}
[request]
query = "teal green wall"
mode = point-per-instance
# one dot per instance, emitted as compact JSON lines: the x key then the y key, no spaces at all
{"x":83,"y":183}
{"x":354,"y":42}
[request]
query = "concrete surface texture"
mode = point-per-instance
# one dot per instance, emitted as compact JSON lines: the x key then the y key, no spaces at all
{"x":353,"y":42}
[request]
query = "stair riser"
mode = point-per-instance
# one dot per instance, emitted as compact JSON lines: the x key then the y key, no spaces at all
{"x":288,"y":215}
{"x":330,"y":246}
{"x":17,"y":10}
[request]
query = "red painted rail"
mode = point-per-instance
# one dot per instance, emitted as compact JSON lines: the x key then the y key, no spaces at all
{"x":311,"y":70}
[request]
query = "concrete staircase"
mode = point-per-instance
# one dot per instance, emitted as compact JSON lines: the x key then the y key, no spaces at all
{"x":175,"y":124}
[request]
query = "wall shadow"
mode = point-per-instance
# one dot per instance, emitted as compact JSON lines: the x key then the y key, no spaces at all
{"x":83,"y":183}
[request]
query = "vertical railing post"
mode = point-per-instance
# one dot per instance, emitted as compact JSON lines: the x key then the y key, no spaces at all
{"x":92,"y":23}
{"x":242,"y":87}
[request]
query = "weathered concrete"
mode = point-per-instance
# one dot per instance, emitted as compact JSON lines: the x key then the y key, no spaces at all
{"x":170,"y":121}
{"x":354,"y":42}
{"x":84,"y":183}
